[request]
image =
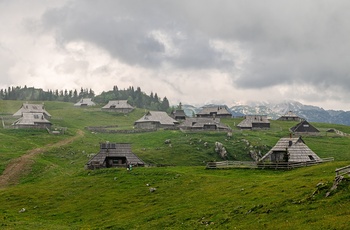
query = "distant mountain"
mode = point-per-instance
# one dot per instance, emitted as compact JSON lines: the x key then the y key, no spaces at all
{"x":275,"y":110}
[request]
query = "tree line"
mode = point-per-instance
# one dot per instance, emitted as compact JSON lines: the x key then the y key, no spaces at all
{"x":134,"y":97}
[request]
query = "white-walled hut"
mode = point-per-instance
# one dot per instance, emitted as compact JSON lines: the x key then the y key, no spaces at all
{"x":118,"y":106}
{"x":32,"y":108}
{"x":290,"y":150}
{"x":154,"y":120}
{"x":113,"y":155}
{"x":83,"y":102}
{"x":32,"y":120}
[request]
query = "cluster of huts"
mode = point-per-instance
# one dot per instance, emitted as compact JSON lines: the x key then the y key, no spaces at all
{"x":208,"y":119}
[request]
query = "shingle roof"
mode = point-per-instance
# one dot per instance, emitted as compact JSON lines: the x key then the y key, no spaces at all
{"x":250,"y":119}
{"x":116,"y":150}
{"x":31,"y":108}
{"x":219,"y":110}
{"x":31,"y":119}
{"x":297,"y":149}
{"x":85,"y":101}
{"x":158,"y":116}
{"x":201,"y":122}
{"x":118,"y":104}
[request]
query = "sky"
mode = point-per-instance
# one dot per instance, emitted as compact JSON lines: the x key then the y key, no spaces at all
{"x":191,"y":51}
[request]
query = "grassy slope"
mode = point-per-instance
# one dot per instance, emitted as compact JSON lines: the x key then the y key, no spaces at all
{"x":60,"y":194}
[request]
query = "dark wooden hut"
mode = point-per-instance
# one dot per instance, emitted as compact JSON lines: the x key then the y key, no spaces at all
{"x":290,"y":116}
{"x":114,"y":155}
{"x":290,"y":150}
{"x":304,"y":127}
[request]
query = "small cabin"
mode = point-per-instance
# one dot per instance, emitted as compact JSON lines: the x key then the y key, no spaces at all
{"x":32,"y":121}
{"x":254,"y":122}
{"x":304,"y":127}
{"x":155,"y":120}
{"x":290,"y":150}
{"x":215,"y":112}
{"x":118,"y":106}
{"x":114,"y":155}
{"x":84,"y":102}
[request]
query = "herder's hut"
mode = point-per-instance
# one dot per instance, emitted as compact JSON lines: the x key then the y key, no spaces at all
{"x":290,"y":116}
{"x":32,"y":108}
{"x":290,"y":150}
{"x":84,"y":102}
{"x":114,"y":155}
{"x":32,"y":120}
{"x":254,"y":122}
{"x":214,"y":111}
{"x":119,"y":106}
{"x":203,"y":124}
{"x":154,"y":120}
{"x":304,"y":127}
{"x":179,"y":115}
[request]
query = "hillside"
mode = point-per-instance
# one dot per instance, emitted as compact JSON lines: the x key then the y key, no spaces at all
{"x":58,"y":193}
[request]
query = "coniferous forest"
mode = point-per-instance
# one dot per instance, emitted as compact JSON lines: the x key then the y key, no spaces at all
{"x":134,"y":97}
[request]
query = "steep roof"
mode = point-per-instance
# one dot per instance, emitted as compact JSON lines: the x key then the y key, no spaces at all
{"x":116,"y":150}
{"x":85,"y":101}
{"x":297,"y":149}
{"x":32,"y":108}
{"x":118,"y":104}
{"x":253,"y":119}
{"x":157,"y":116}
{"x":179,"y":113}
{"x":218,"y":110}
{"x":31,"y":119}
{"x":305,"y":127}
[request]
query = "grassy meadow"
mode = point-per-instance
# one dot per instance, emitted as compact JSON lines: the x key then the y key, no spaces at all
{"x":58,"y":193}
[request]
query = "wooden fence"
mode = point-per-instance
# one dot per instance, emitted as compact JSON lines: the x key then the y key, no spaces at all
{"x":342,"y":171}
{"x":264,"y":165}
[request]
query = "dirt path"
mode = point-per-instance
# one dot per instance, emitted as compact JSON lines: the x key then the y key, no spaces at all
{"x":21,"y":166}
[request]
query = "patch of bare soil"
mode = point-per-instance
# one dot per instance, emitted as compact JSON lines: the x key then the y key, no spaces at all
{"x":21,"y":166}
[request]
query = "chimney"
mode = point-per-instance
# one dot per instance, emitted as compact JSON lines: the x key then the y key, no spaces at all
{"x":290,"y":143}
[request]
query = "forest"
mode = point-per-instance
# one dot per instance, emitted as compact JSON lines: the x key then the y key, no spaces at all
{"x":136,"y":98}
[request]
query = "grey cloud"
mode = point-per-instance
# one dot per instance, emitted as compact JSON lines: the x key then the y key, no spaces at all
{"x":123,"y":29}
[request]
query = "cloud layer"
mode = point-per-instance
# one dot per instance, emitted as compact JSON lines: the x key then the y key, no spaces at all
{"x":196,"y":52}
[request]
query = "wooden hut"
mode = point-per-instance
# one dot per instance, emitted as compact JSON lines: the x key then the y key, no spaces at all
{"x":32,"y":108}
{"x":304,"y":127}
{"x":179,"y":115}
{"x":254,"y":122}
{"x":119,"y":106}
{"x":290,"y":116}
{"x":290,"y":150}
{"x":32,"y":120}
{"x":203,"y":124}
{"x":84,"y":102}
{"x":215,"y":111}
{"x":114,"y":155}
{"x":154,"y":120}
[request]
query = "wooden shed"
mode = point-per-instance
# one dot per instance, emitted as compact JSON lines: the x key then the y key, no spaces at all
{"x":215,"y":111}
{"x":290,"y":150}
{"x":200,"y":123}
{"x":119,"y":106}
{"x":304,"y":127}
{"x":32,"y":108}
{"x":254,"y":122}
{"x":84,"y":102}
{"x":290,"y":116}
{"x":114,"y":155}
{"x":179,"y":115}
{"x":154,"y":120}
{"x":32,"y":120}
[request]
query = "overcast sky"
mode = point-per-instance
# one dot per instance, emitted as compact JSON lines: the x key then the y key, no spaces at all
{"x":191,"y":51}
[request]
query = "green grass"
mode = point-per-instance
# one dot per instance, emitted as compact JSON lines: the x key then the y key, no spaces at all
{"x":58,"y":193}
